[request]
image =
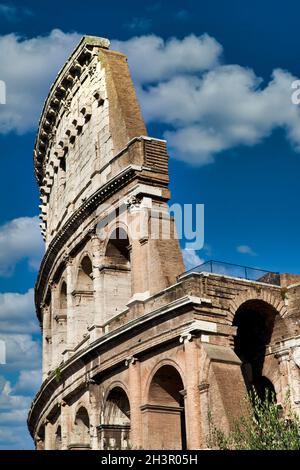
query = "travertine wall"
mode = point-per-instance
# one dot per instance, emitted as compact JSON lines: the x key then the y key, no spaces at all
{"x":135,"y":353}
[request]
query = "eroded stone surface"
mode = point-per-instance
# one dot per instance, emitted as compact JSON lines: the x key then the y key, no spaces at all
{"x":135,"y":355}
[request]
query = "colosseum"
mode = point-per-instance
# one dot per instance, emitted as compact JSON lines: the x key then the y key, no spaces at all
{"x":138,"y":353}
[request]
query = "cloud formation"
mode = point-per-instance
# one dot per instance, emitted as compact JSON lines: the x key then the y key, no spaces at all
{"x":28,"y":67}
{"x":246,"y":250}
{"x":151,"y":59}
{"x":23,"y":352}
{"x":17,"y":313}
{"x":28,"y":383}
{"x":191,"y":259}
{"x":205,"y":105}
{"x":13,"y":415}
{"x":20,"y":239}
{"x":208,"y":106}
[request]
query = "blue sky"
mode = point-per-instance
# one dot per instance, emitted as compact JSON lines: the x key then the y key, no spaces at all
{"x":232,"y":130}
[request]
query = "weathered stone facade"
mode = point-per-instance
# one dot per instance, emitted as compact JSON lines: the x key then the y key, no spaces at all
{"x":135,"y":353}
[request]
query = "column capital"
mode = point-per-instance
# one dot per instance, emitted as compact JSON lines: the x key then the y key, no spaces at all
{"x":52,"y":284}
{"x":92,"y":233}
{"x":131,"y":360}
{"x":67,"y":259}
{"x":283,"y":355}
{"x":44,"y":307}
{"x":203,"y":387}
{"x":186,"y":337}
{"x":91,"y":381}
{"x":133,"y":203}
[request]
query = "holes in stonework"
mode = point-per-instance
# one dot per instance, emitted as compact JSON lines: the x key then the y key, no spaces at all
{"x":86,"y":111}
{"x":98,"y":98}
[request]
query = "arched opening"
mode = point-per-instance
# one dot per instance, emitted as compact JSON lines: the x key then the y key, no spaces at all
{"x":63,"y":298}
{"x":115,"y":428}
{"x":85,"y":275}
{"x":58,"y":443}
{"x":255,"y":321}
{"x":81,"y":430}
{"x":165,"y":410}
{"x":84,"y":298}
{"x":116,"y":273}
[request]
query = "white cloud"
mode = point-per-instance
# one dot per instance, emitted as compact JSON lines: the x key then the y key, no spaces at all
{"x":152,"y":59}
{"x":12,"y":407}
{"x":222,"y":109}
{"x":245,"y":250}
{"x":13,"y":415}
{"x":22,"y":352}
{"x":28,"y":383}
{"x":17,"y":313}
{"x":209,"y":107}
{"x":28,"y":66}
{"x":23,"y":356}
{"x":20,"y":239}
{"x":191,"y":258}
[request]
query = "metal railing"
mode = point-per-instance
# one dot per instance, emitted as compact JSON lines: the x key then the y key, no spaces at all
{"x":236,"y":270}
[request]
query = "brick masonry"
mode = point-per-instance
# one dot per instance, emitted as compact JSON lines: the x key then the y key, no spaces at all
{"x":135,"y":353}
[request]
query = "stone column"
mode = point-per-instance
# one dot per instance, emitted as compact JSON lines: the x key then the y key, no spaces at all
{"x":47,"y":339}
{"x":97,"y":281}
{"x":39,"y":444}
{"x":295,"y":372}
{"x":65,"y":424}
{"x":192,"y":398}
{"x":71,"y":325}
{"x":54,"y":312}
{"x":94,"y":413}
{"x":136,"y":429}
{"x":290,"y":380}
{"x":204,"y":413}
{"x":138,"y":223}
{"x":48,"y":435}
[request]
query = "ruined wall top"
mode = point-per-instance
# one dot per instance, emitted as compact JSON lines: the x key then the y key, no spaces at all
{"x":89,"y":117}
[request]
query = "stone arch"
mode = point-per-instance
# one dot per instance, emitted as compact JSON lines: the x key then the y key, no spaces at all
{"x":158,"y":365}
{"x":115,"y":426}
{"x":63,"y":297}
{"x":58,"y":440}
{"x":116,"y":272}
{"x":260,"y":293}
{"x":111,"y":228}
{"x":164,"y":411}
{"x":258,"y":324}
{"x":83,"y":296}
{"x":84,"y":277}
{"x":81,"y":429}
{"x":116,"y":384}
